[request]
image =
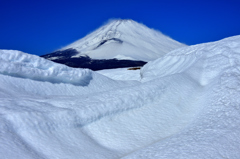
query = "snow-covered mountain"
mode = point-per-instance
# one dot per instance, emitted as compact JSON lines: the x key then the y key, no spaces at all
{"x":120,"y":40}
{"x":184,"y":105}
{"x":124,"y":39}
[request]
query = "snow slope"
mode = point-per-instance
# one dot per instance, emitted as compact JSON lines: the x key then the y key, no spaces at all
{"x":186,"y":106}
{"x":122,"y":39}
{"x":122,"y":74}
{"x":214,"y":133}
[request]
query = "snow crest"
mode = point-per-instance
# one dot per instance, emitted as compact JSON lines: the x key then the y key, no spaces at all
{"x":22,"y":65}
{"x":203,"y":62}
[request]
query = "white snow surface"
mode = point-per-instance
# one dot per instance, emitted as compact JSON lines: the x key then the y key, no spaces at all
{"x":122,"y":74}
{"x":185,"y":105}
{"x":134,"y":41}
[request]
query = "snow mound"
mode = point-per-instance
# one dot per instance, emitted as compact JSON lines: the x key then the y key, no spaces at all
{"x":22,"y":65}
{"x":203,"y":62}
{"x":215,"y":68}
{"x":22,"y":74}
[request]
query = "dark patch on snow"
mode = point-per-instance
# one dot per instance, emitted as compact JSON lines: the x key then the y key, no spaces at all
{"x":113,"y":39}
{"x":134,"y":68}
{"x":87,"y":62}
{"x":68,"y":53}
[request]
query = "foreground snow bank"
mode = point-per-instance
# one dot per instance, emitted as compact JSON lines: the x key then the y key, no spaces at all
{"x":214,"y":132}
{"x":29,"y":74}
{"x":187,"y":106}
{"x":203,"y":62}
{"x":19,"y":64}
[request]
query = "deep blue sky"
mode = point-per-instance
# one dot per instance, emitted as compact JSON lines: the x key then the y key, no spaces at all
{"x":42,"y":26}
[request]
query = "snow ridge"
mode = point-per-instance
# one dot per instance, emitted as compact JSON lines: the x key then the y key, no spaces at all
{"x":198,"y":61}
{"x":22,"y":65}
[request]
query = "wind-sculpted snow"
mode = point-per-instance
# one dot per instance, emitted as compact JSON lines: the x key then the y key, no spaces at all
{"x":37,"y":76}
{"x":203,"y":62}
{"x":187,"y":106}
{"x":19,"y":64}
{"x":214,"y":132}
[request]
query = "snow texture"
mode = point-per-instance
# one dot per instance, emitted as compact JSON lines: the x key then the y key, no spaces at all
{"x":122,"y":74}
{"x":184,"y":105}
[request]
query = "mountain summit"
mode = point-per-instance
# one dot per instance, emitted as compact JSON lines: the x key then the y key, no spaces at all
{"x":121,"y":40}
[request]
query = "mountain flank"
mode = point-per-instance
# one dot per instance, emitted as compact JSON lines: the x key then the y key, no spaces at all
{"x":120,"y":43}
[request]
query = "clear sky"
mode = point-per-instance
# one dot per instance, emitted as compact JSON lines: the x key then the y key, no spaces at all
{"x":42,"y":26}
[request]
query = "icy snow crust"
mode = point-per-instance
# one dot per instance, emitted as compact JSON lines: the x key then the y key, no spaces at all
{"x":124,"y":39}
{"x":186,"y":106}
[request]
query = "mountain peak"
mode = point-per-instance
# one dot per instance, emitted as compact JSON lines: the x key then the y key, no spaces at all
{"x":121,"y":39}
{"x":124,"y":38}
{"x":122,"y":21}
{"x":121,"y":24}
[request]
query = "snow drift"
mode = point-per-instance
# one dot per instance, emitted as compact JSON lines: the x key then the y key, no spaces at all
{"x":186,"y":106}
{"x":19,"y":64}
{"x":201,"y":62}
{"x":35,"y":74}
{"x":215,"y":68}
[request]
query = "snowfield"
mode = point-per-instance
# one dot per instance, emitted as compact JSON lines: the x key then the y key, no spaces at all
{"x":184,"y":105}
